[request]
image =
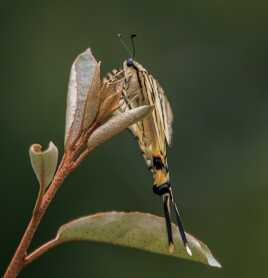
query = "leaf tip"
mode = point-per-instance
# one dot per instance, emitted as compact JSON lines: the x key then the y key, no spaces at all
{"x":213,"y":262}
{"x":85,"y":54}
{"x":35,"y":149}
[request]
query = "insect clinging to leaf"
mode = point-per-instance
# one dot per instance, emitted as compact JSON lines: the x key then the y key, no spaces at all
{"x":153,"y":133}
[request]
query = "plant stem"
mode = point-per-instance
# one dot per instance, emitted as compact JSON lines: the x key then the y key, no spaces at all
{"x":41,"y":250}
{"x":18,"y":260}
{"x":67,"y":165}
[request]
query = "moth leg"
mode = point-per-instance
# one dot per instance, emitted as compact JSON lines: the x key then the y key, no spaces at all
{"x":167,"y":206}
{"x":180,"y":226}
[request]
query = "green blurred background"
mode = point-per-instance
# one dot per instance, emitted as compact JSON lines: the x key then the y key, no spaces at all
{"x":211,"y":58}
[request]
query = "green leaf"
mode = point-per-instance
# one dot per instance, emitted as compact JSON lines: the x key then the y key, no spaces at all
{"x":133,"y":229}
{"x":117,"y":124}
{"x":44,"y":163}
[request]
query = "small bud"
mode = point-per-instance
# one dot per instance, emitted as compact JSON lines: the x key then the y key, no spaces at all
{"x":117,"y":124}
{"x":44,"y":163}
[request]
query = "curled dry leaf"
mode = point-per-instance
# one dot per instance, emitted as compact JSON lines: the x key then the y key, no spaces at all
{"x":133,"y":229}
{"x":116,"y":124}
{"x":83,"y":95}
{"x":44,"y":163}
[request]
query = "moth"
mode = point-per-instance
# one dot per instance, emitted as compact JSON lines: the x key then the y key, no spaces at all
{"x":153,"y":134}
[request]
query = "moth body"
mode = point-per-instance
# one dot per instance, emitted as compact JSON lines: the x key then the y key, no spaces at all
{"x":153,"y":134}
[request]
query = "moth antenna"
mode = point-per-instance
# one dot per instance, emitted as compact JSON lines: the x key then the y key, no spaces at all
{"x":133,"y":45}
{"x":124,"y":44}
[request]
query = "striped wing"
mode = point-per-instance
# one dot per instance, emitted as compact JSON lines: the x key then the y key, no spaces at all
{"x":155,"y":130}
{"x":140,"y":88}
{"x":163,"y":113}
{"x":167,"y":116}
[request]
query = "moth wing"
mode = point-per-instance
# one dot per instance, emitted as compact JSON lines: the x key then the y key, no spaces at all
{"x":164,"y":114}
{"x":168,"y":119}
{"x":157,"y":126}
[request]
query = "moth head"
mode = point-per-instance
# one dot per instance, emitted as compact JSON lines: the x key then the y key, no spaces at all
{"x":130,"y":62}
{"x":129,"y":68}
{"x":130,"y":65}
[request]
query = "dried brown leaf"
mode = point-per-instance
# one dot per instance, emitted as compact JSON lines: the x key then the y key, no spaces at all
{"x":82,"y":98}
{"x":93,"y":99}
{"x":117,"y":124}
{"x":109,"y":105}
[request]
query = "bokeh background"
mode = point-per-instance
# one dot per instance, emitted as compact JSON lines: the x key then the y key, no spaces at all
{"x":211,"y":58}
